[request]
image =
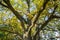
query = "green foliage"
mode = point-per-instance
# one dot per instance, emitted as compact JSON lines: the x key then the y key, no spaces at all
{"x":9,"y":21}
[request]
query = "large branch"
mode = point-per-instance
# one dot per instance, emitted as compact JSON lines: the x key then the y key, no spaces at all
{"x":46,"y":22}
{"x":9,"y":6}
{"x":38,"y":14}
{"x":36,"y":18}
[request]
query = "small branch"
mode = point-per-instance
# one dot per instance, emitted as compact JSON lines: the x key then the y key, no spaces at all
{"x":3,"y":5}
{"x":11,"y":32}
{"x":46,"y":22}
{"x":28,"y":12}
{"x":40,"y":11}
{"x":57,"y":37}
{"x":55,"y":16}
{"x":28,"y":3}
